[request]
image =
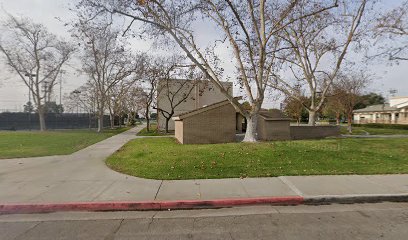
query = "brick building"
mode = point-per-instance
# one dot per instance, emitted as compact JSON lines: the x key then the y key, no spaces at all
{"x":215,"y":123}
{"x":200,"y":94}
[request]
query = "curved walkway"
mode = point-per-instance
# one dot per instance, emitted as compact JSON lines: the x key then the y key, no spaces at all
{"x":84,"y":177}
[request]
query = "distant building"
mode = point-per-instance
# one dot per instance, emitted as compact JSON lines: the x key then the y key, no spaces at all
{"x":394,"y":112}
{"x":204,"y":93}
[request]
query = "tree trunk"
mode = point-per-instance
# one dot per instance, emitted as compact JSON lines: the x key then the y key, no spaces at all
{"x":41,"y":116}
{"x":100,"y":120}
{"x":312,"y":118}
{"x":167,"y":125}
{"x":349,"y":122}
{"x":112,"y":121}
{"x":168,"y":118}
{"x":251,"y":130}
{"x":129,"y":119}
{"x":147,"y":119}
{"x":337,"y":118}
{"x":89,"y":121}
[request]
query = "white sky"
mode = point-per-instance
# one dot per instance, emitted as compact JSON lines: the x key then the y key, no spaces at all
{"x":13,"y":94}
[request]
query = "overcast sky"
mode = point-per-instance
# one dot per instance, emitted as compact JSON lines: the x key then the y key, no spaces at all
{"x":13,"y":94}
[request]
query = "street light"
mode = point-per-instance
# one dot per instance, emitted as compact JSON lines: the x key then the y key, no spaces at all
{"x":47,"y":94}
{"x":77,"y":92}
{"x":30,"y":80}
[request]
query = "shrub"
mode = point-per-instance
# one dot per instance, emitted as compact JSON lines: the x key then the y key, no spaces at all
{"x":382,"y":125}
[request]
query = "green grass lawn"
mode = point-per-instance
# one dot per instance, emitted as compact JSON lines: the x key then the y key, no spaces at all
{"x":34,"y":144}
{"x":164,"y":158}
{"x":153,"y":131}
{"x":374,"y":131}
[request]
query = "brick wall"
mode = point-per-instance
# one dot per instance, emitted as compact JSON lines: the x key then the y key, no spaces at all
{"x":213,"y":126}
{"x":273,"y":129}
{"x":313,"y":132}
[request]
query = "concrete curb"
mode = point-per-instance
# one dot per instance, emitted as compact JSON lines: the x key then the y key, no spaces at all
{"x":348,"y":199}
{"x":197,"y":204}
{"x":145,"y":205}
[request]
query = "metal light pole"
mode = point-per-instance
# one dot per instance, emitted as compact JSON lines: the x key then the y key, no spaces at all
{"x":46,"y":92}
{"x":30,"y":80}
{"x":77,"y":92}
{"x":62,"y":72}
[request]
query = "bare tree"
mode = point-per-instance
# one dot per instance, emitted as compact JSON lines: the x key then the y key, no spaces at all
{"x":134,"y":102}
{"x":391,"y":34}
{"x":317,"y":47}
{"x":248,"y":28}
{"x":334,"y":103}
{"x":116,"y":101}
{"x":82,"y":99}
{"x":350,"y":86}
{"x":173,"y":91}
{"x":293,"y":107}
{"x":104,"y":59}
{"x":152,"y":73}
{"x":36,"y":56}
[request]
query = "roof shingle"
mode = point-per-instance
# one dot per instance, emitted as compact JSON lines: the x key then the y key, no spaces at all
{"x":377,"y":108}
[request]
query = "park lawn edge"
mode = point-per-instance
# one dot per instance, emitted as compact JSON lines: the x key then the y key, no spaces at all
{"x":290,"y":158}
{"x":25,"y":144}
{"x":153,"y":132}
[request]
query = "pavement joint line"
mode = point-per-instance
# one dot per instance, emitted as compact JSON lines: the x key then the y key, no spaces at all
{"x":158,"y":189}
{"x":291,"y":185}
{"x":28,"y":230}
{"x":115,"y":231}
{"x":104,"y":190}
{"x":39,"y":195}
{"x":199,"y":188}
{"x":243,"y":187}
{"x":151,"y":220}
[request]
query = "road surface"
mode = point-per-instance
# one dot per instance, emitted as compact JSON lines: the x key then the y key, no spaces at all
{"x":356,"y":221}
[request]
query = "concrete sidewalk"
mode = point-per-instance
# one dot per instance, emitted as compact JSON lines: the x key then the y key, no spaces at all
{"x":84,"y":177}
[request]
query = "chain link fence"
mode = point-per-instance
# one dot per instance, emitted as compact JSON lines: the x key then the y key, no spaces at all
{"x":30,"y":121}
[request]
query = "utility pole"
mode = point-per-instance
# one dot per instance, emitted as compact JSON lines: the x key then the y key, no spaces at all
{"x":30,"y":81}
{"x":46,"y":93}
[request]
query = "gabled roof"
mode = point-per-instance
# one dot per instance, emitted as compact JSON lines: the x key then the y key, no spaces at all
{"x":201,"y":110}
{"x":377,"y":108}
{"x":401,"y":105}
{"x":273,"y":114}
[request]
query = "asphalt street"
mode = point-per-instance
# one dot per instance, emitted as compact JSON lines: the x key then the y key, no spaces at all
{"x":355,"y":221}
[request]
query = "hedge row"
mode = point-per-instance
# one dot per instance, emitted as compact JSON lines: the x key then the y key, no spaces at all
{"x":382,"y":125}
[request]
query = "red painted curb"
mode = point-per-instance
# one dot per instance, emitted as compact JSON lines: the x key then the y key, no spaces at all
{"x":145,"y":205}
